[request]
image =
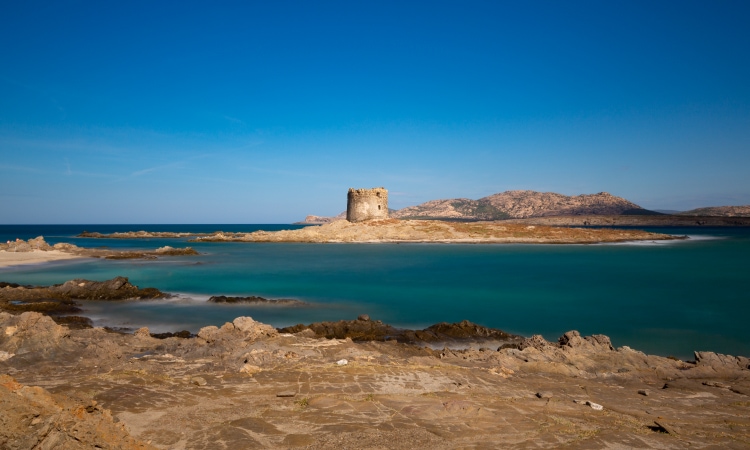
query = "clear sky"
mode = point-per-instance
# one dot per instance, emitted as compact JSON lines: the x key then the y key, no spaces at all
{"x":264,"y":112}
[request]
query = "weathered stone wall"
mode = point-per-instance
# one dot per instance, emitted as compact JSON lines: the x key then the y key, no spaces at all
{"x":366,"y":204}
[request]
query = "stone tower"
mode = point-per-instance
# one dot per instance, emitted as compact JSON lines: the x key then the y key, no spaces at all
{"x":366,"y":204}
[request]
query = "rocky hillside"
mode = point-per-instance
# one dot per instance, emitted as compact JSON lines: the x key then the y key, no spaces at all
{"x":319,"y":220}
{"x":455,"y":208}
{"x":719,"y":211}
{"x":521,"y":204}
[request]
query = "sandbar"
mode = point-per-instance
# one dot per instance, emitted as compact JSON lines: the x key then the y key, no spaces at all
{"x":34,"y":257}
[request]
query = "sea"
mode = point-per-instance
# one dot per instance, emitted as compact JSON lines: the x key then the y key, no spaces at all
{"x":662,"y":297}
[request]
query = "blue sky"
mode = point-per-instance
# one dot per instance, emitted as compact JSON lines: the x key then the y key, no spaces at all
{"x":264,"y":112}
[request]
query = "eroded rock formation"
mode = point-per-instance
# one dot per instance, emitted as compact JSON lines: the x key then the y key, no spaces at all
{"x":245,"y":385}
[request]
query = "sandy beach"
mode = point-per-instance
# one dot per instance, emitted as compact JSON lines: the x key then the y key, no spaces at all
{"x":35,"y":257}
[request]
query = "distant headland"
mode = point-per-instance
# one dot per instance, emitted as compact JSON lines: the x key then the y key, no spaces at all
{"x":601,"y":209}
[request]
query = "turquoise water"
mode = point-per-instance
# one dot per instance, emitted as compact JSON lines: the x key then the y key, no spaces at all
{"x":663,"y":298}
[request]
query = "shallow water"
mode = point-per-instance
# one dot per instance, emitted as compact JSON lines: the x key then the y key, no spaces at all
{"x":668,"y":298}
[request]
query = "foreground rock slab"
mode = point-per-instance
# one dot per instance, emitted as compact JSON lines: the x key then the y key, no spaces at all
{"x":246,"y":385}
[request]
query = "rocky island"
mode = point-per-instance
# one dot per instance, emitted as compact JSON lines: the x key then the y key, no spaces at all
{"x":550,"y":208}
{"x":37,"y":250}
{"x":427,"y":231}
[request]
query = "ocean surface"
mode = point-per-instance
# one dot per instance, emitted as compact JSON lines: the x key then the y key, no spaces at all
{"x":666,"y":298}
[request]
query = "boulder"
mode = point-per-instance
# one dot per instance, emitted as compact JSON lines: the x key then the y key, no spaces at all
{"x":536,"y":341}
{"x":209,"y":334}
{"x":252,"y":329}
{"x":142,"y":333}
{"x":32,"y":332}
{"x":717,"y":361}
{"x":43,"y":420}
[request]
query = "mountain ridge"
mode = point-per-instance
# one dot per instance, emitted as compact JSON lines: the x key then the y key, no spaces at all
{"x":719,"y":211}
{"x":521,"y":204}
{"x":514,"y":204}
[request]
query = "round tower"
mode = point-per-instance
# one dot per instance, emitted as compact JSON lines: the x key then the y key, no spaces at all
{"x":366,"y":204}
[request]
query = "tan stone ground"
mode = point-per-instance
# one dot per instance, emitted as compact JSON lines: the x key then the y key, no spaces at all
{"x":246,"y":386}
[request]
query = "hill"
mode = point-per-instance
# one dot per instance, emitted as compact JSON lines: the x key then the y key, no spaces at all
{"x":520,"y":205}
{"x":719,"y":211}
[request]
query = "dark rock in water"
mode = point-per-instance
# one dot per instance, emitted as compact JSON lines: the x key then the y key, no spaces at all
{"x":163,"y":251}
{"x":357,"y":330}
{"x":60,"y":301}
{"x":368,"y":330}
{"x":74,"y":322}
{"x":118,"y":288}
{"x":49,"y":306}
{"x":254,"y":299}
{"x":467,"y":330}
{"x":184,"y":334}
{"x":14,"y":285}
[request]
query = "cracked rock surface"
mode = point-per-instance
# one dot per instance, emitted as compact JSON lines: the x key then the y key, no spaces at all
{"x":246,"y":385}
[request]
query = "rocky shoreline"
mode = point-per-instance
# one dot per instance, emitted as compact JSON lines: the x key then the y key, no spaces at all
{"x":347,"y":384}
{"x":38,"y":250}
{"x":246,"y":384}
{"x":62,"y":302}
{"x":418,"y":231}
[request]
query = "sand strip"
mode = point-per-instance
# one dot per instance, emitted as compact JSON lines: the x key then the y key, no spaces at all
{"x":34,"y":257}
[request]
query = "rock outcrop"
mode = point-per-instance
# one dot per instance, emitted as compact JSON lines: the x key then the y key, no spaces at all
{"x":245,"y":385}
{"x":118,"y":288}
{"x":61,"y":301}
{"x":363,"y":329}
{"x":319,"y":220}
{"x":34,"y":418}
{"x":38,"y":244}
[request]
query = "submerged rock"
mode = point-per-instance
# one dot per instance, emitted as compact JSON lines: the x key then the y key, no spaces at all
{"x":255,"y":300}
